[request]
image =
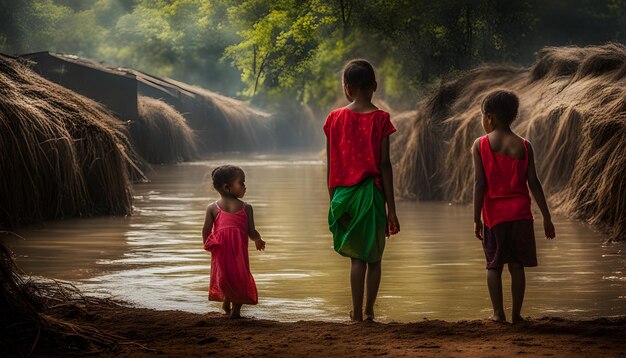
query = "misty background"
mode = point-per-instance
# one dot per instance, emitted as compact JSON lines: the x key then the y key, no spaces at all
{"x":288,"y":54}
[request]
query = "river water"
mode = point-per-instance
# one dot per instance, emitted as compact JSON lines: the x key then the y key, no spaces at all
{"x":433,"y":269}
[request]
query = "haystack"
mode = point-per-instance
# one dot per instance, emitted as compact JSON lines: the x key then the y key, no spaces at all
{"x":221,"y":123}
{"x":161,"y":134}
{"x":572,"y":109}
{"x":63,"y":155}
{"x":402,"y":121}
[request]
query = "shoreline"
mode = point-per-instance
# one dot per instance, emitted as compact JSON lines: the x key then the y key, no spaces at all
{"x":147,"y":332}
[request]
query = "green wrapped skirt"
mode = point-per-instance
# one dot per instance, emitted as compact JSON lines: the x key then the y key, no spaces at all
{"x":358,"y":221}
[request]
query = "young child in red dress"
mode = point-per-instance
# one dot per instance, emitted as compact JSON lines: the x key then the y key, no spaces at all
{"x":360,"y":182}
{"x":227,"y":225}
{"x":504,"y":169}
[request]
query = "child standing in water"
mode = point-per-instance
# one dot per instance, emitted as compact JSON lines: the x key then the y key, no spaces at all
{"x":504,"y":169}
{"x":227,"y":225}
{"x":360,"y":182}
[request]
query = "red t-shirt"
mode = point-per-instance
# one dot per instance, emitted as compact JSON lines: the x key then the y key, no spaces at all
{"x":506,"y":196}
{"x":354,"y":145}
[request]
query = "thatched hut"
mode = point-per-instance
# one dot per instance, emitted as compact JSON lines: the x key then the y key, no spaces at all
{"x":63,"y":155}
{"x":114,"y":88}
{"x":221,"y":123}
{"x":573,"y":110}
{"x":161,"y":134}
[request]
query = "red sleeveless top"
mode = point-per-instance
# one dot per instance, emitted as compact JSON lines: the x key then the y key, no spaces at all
{"x":506,"y":196}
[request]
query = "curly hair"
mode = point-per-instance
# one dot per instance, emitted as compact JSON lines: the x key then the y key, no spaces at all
{"x":225,"y":174}
{"x":502,"y":105}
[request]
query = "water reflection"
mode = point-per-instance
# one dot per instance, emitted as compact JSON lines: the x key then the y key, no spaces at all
{"x":434,"y":268}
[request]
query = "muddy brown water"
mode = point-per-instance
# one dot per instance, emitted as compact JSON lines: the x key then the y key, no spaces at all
{"x":433,"y":269}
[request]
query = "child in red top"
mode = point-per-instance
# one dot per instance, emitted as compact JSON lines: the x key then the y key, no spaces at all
{"x":360,"y":182}
{"x":227,"y":225}
{"x":504,"y":169}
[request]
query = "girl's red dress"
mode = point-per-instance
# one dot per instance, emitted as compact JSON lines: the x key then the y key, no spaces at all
{"x":231,"y":279}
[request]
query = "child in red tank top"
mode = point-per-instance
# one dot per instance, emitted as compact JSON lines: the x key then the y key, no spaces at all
{"x":504,"y":170}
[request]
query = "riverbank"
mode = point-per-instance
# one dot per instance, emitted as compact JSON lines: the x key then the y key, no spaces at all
{"x":145,"y":332}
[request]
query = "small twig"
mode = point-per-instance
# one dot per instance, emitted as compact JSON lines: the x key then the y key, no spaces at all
{"x":32,"y":349}
{"x":139,"y":345}
{"x":11,"y":233}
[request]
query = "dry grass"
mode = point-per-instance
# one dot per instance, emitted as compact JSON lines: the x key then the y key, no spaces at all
{"x":573,"y":110}
{"x":224,"y":124}
{"x":63,"y":155}
{"x":161,"y":134}
{"x":27,"y":312}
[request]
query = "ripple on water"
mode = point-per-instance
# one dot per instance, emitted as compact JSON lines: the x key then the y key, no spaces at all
{"x":432,"y":269}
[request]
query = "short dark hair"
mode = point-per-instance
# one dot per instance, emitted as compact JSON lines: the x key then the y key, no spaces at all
{"x":225,"y":174}
{"x":359,"y":74}
{"x":502,"y":105}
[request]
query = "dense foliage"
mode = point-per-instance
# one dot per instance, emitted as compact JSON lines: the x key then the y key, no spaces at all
{"x":292,"y":50}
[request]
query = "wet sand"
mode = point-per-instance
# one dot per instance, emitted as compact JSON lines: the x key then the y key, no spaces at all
{"x":182,"y":334}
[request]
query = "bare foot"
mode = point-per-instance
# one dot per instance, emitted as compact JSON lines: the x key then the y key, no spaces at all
{"x":500,"y":318}
{"x":518,"y":319}
{"x":226,"y":307}
{"x":356,"y":318}
{"x":236,"y":311}
{"x":369,"y":316}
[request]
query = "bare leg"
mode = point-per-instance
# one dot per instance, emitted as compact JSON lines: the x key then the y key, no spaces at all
{"x":357,"y":282}
{"x":518,"y":286}
{"x":236,"y":312}
{"x":494,"y":283}
{"x":226,"y":307}
{"x":373,"y":282}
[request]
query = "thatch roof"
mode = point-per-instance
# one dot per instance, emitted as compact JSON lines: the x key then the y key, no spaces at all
{"x":63,"y":155}
{"x":161,"y":134}
{"x":114,"y":88}
{"x":221,"y":123}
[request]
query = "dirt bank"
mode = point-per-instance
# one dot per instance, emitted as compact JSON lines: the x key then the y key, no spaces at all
{"x":175,"y":333}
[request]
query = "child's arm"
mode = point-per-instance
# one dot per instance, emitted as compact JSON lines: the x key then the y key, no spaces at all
{"x":331,"y":191}
{"x":537,"y":190}
{"x":208,"y":223}
{"x":252,"y":232}
{"x":479,"y":189}
{"x":393,"y":225}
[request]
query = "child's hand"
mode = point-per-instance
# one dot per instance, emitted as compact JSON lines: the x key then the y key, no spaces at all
{"x":393,"y":225}
{"x":478,"y":229}
{"x":260,"y":244}
{"x":548,"y":228}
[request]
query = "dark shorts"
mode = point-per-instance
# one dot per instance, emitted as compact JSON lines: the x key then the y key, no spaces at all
{"x":512,"y":241}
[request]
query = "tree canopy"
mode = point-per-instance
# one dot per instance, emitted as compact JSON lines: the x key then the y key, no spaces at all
{"x":293,"y":50}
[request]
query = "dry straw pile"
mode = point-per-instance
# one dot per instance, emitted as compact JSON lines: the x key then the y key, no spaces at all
{"x":573,"y":110}
{"x":63,"y":155}
{"x":222,"y":123}
{"x":32,"y":313}
{"x":161,"y":134}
